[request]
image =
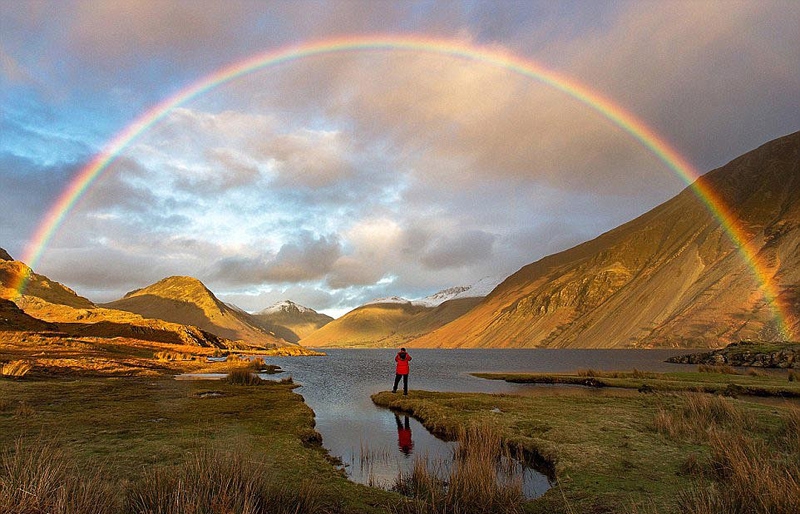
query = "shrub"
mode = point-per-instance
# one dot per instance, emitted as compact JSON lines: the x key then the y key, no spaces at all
{"x":17,"y":369}
{"x":243,"y":377}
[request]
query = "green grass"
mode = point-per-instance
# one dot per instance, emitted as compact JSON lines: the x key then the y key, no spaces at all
{"x":756,"y":384}
{"x":132,"y":427}
{"x":606,"y":449}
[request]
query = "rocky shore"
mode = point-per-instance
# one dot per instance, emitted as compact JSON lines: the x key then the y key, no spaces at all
{"x":760,"y":355}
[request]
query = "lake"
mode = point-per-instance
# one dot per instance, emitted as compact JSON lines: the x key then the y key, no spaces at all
{"x":373,"y":443}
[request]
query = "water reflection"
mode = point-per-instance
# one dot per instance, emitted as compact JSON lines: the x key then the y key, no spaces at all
{"x":367,"y":438}
{"x":404,"y":442}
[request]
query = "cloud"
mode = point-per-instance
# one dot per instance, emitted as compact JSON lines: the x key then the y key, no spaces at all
{"x":458,"y":250}
{"x":305,"y":259}
{"x":697,"y":72}
{"x":373,"y":246}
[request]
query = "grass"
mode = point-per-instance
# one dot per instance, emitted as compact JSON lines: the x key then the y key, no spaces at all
{"x":132,"y":431}
{"x":16,"y":369}
{"x":747,"y":473}
{"x":216,"y":482}
{"x":720,"y":381}
{"x":37,"y":477}
{"x":243,"y":376}
{"x":481,"y":479}
{"x":608,"y":451}
{"x":717,"y":368}
{"x":692,"y":419}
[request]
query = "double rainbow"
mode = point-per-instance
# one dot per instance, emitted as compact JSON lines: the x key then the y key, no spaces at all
{"x":449,"y":48}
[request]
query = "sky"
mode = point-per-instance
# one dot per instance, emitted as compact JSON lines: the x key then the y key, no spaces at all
{"x":334,"y":179}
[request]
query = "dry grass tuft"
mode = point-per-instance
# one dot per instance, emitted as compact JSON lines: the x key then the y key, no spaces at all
{"x":38,"y":478}
{"x":167,"y":356}
{"x":257,"y":364}
{"x":16,"y":369}
{"x":243,"y":377}
{"x":749,"y":478}
{"x":594,"y":373}
{"x":481,"y":479}
{"x":699,"y":414}
{"x":717,"y":368}
{"x":220,"y":483}
{"x":24,"y":410}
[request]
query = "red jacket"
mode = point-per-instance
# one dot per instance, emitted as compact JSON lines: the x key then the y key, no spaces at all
{"x":402,"y":364}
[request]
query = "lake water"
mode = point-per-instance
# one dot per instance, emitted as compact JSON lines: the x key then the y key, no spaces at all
{"x":375,"y":444}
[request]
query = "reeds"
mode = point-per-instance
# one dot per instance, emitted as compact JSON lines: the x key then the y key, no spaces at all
{"x":483,"y":478}
{"x":220,"y":483}
{"x":38,"y":477}
{"x":16,"y":369}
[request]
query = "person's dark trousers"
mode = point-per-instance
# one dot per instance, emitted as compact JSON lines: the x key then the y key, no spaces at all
{"x":397,"y":381}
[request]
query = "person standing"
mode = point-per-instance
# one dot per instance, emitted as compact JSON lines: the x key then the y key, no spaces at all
{"x":402,"y":359}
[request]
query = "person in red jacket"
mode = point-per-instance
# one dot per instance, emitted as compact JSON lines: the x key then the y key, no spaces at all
{"x":402,"y":359}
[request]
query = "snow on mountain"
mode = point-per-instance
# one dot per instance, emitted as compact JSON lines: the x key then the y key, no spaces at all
{"x":389,"y":299}
{"x":479,"y":289}
{"x":285,"y":306}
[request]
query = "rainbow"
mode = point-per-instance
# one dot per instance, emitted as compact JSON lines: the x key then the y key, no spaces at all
{"x":623,"y":119}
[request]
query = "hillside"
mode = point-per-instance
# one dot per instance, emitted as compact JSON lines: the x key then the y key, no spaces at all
{"x":290,"y":321}
{"x":49,"y":306}
{"x":185,"y":300}
{"x":671,"y":277}
{"x":387,"y":324}
{"x":12,"y":318}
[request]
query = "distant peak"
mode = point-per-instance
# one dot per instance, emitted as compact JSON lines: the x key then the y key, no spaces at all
{"x":389,"y":299}
{"x":4,"y":256}
{"x":479,"y":289}
{"x":286,"y":306}
{"x":175,"y":287}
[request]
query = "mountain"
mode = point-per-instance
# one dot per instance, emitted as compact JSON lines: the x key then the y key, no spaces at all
{"x":670,"y":278}
{"x":291,"y":321}
{"x":389,"y":322}
{"x":49,"y":306}
{"x":185,"y":300}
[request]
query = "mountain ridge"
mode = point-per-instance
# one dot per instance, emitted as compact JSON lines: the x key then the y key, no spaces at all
{"x":670,"y":277}
{"x":187,"y":301}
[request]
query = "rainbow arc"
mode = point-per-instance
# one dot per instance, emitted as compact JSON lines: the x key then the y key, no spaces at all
{"x":616,"y":114}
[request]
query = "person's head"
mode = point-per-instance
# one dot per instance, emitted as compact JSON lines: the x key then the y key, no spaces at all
{"x":403,"y":350}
